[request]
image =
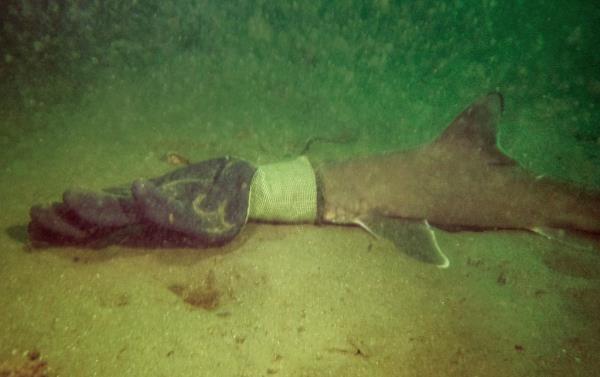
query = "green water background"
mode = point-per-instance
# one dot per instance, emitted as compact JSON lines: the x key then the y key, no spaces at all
{"x":390,"y":74}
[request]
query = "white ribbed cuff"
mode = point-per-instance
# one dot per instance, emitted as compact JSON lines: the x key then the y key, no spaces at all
{"x":284,"y":192}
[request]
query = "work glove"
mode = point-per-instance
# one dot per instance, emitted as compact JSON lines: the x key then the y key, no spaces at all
{"x":202,"y":204}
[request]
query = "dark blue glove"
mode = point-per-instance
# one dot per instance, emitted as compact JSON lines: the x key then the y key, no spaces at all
{"x":202,"y":204}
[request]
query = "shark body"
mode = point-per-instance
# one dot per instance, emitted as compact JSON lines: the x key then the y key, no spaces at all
{"x":460,"y":180}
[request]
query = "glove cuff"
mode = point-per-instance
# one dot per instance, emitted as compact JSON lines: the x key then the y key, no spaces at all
{"x":284,"y":192}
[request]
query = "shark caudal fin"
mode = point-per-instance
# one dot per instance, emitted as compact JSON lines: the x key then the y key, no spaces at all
{"x":476,"y":128}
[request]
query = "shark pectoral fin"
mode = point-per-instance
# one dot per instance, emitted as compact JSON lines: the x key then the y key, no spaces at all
{"x":415,"y":238}
{"x":574,"y":239}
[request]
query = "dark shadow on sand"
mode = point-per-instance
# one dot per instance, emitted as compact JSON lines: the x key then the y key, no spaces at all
{"x":18,"y":233}
{"x":166,"y":247}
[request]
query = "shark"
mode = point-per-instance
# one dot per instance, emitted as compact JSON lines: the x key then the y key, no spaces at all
{"x":460,"y":181}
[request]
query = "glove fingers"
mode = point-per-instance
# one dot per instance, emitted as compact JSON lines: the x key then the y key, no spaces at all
{"x":100,"y":209}
{"x":83,"y":218}
{"x":52,"y":225}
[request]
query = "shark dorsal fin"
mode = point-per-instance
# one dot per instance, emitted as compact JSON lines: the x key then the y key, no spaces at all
{"x":476,"y":128}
